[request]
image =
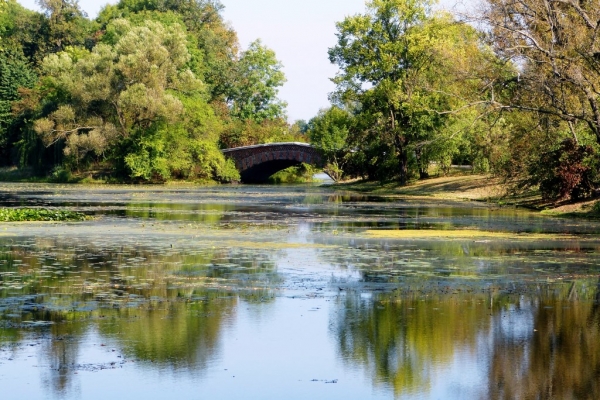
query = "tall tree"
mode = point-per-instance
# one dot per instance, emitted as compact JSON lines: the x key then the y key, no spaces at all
{"x":21,"y":31}
{"x":65,"y":25}
{"x":259,"y":76}
{"x":15,"y":73}
{"x":402,"y":69}
{"x":215,"y":40}
{"x":328,"y":132}
{"x":104,"y":96}
{"x":556,"y":45}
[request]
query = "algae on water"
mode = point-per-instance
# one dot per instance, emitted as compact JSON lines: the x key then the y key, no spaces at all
{"x":464,"y":234}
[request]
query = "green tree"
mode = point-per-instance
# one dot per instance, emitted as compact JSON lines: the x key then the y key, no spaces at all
{"x":259,"y":75}
{"x":115,"y":94}
{"x":407,"y":74}
{"x":249,"y":132}
{"x":214,"y":39}
{"x":554,"y":45}
{"x":15,"y":73}
{"x":65,"y":24}
{"x":328,"y":132}
{"x":20,"y":30}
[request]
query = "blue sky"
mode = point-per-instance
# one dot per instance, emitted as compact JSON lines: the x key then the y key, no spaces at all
{"x":300,"y":32}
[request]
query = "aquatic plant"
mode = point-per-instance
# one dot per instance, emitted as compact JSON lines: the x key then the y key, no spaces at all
{"x":39,"y":214}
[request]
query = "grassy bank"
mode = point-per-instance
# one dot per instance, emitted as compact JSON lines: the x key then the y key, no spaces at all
{"x":472,"y":187}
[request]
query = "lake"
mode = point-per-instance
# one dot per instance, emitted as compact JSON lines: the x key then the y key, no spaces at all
{"x":294,"y":292}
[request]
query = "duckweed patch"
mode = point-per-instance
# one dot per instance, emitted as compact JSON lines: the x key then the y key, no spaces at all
{"x":39,"y":214}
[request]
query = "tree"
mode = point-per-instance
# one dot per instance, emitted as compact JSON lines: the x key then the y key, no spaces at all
{"x":259,"y":75}
{"x":214,"y":39}
{"x":66,"y":24}
{"x":15,"y":73}
{"x":554,"y":44}
{"x":328,"y":132}
{"x":407,"y":73}
{"x":112,"y":93}
{"x":20,"y":31}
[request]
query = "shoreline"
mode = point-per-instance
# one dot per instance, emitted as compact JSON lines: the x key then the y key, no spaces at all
{"x":477,"y":188}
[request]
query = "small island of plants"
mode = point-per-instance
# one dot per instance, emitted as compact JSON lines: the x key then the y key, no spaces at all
{"x":39,"y":214}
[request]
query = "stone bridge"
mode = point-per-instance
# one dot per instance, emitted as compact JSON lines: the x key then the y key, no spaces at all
{"x":257,"y":163}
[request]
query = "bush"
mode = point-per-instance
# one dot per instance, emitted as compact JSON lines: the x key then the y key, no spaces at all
{"x":61,"y":174}
{"x":302,"y":173}
{"x":567,"y":172}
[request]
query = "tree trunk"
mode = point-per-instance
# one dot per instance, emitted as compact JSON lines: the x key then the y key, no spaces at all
{"x":403,"y":162}
{"x":402,"y":154}
{"x":423,"y":167}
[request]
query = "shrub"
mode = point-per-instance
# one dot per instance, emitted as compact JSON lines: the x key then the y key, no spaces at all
{"x":566,"y":172}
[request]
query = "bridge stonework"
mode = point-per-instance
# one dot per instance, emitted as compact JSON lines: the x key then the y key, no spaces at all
{"x":257,"y":163}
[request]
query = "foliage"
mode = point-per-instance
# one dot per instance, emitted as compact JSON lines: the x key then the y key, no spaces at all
{"x":39,"y":214}
{"x":407,"y":74}
{"x":556,"y":45}
{"x":147,"y":90}
{"x":328,"y":132}
{"x":553,"y":91}
{"x":22,"y":31}
{"x":15,"y":73}
{"x":258,"y":77}
{"x":65,"y":25}
{"x":213,"y":39}
{"x":565,"y":173}
{"x":302,"y":173}
{"x":246,"y":133}
{"x":118,"y":95}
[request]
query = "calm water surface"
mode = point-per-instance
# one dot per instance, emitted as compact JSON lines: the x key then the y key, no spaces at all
{"x":280,"y":293}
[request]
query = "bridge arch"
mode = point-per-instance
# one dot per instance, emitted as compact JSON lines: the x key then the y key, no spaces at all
{"x":257,"y":163}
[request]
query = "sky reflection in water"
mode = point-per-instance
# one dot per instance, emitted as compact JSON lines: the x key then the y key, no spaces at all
{"x":276,"y":292}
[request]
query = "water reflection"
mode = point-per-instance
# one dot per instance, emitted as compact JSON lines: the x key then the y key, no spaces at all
{"x":400,"y":340}
{"x":157,"y":305}
{"x":189,"y":281}
{"x":545,"y":346}
{"x":558,"y":356}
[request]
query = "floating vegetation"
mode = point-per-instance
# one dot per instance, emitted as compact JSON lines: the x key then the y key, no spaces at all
{"x":465,"y":234}
{"x":39,"y":214}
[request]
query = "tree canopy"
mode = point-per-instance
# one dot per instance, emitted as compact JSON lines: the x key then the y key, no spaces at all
{"x":148,"y":91}
{"x":406,"y":74}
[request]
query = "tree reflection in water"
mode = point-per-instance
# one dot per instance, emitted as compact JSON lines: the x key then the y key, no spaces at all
{"x":543,"y":342}
{"x":559,"y":359}
{"x":400,"y":339}
{"x":153,"y":306}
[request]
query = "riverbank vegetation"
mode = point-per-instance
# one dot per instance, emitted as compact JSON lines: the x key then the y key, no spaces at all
{"x":517,"y":99}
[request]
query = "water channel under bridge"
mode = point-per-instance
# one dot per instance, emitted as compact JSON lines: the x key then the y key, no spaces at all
{"x":257,"y":163}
